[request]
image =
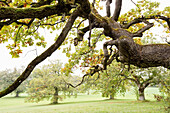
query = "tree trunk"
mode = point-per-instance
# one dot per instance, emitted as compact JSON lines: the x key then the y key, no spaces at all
{"x":141,"y":94}
{"x":17,"y":93}
{"x":112,"y":97}
{"x":55,"y":96}
{"x":88,"y":92}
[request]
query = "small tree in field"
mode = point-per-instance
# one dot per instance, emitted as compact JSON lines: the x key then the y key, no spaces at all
{"x":48,"y":83}
{"x":111,"y":83}
{"x":142,"y":78}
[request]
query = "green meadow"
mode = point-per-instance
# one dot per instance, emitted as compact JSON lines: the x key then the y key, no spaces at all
{"x":86,"y":104}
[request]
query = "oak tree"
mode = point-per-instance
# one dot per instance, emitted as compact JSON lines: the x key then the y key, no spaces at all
{"x":143,"y":78}
{"x":49,"y":83}
{"x":19,"y":21}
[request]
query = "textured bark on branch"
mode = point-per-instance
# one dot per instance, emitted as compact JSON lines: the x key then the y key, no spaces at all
{"x":129,"y":52}
{"x":14,"y":14}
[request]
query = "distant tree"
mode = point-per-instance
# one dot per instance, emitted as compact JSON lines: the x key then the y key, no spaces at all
{"x":142,"y":78}
{"x":48,"y":83}
{"x":109,"y":83}
{"x":8,"y":76}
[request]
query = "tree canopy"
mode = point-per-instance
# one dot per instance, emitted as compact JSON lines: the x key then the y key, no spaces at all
{"x":49,"y":83}
{"x":20,"y":20}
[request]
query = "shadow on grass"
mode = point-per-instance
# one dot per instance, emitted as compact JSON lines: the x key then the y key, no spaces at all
{"x":65,"y":103}
{"x":14,"y":97}
{"x":90,"y":101}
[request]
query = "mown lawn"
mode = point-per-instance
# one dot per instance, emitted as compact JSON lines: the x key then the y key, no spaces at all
{"x":83,"y":104}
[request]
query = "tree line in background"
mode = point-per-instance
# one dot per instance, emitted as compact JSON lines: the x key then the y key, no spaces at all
{"x":48,"y":82}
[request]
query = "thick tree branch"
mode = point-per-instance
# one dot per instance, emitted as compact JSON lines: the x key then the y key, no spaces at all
{"x":43,"y":56}
{"x":41,"y":12}
{"x":14,"y":14}
{"x":108,"y":7}
{"x":118,"y":5}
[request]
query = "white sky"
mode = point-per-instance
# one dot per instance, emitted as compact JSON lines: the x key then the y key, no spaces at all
{"x":6,"y":61}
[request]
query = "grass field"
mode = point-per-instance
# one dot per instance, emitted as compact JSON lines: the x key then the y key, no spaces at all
{"x":85,"y":104}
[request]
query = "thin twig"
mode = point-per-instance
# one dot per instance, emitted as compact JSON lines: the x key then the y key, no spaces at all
{"x":98,"y":38}
{"x":134,"y":3}
{"x":31,"y":51}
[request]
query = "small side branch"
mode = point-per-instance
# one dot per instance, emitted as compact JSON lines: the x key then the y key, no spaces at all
{"x":6,"y":23}
{"x":138,"y":20}
{"x":69,"y":84}
{"x":93,"y":70}
{"x":134,"y":3}
{"x":90,"y":28}
{"x":81,"y":33}
{"x":140,"y":31}
{"x":106,"y":54}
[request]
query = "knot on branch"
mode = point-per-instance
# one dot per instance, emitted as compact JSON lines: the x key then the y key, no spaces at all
{"x":79,"y":37}
{"x":94,"y":69}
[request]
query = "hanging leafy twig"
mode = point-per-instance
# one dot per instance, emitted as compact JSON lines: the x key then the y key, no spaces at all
{"x":16,"y":38}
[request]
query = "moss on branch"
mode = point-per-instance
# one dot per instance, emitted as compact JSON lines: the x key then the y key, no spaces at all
{"x":39,"y":12}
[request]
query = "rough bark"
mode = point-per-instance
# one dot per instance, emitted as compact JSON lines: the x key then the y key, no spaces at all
{"x":129,"y":52}
{"x":41,"y":12}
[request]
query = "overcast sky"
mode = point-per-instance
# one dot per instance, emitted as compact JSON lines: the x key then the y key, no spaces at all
{"x":6,"y":61}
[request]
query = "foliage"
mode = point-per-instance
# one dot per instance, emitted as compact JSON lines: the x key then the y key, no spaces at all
{"x":142,"y":78}
{"x":8,"y":76}
{"x":111,"y":83}
{"x":22,"y":21}
{"x":49,"y":83}
{"x":165,"y":89}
